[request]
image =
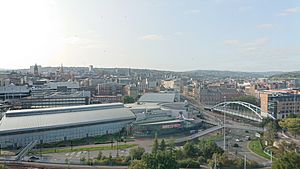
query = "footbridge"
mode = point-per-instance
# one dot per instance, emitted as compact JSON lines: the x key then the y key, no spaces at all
{"x":242,"y":109}
{"x":217,"y":126}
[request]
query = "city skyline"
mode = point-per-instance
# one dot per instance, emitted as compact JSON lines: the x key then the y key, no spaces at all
{"x":234,"y":35}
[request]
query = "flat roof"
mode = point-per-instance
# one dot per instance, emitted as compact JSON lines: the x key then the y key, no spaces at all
{"x":158,"y":97}
{"x":144,"y":105}
{"x":175,"y":106}
{"x":21,"y":123}
{"x":55,"y":110}
{"x":162,"y":122}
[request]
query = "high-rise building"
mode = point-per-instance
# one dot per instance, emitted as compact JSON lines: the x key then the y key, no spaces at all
{"x":280,"y":103}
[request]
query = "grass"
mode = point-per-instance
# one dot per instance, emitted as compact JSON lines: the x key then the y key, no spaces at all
{"x":213,"y":138}
{"x":103,"y":139}
{"x":66,"y":150}
{"x":256,"y":147}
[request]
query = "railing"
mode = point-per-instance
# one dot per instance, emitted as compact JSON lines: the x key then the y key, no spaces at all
{"x":25,"y":150}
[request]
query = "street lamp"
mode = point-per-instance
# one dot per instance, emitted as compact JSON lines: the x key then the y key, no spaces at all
{"x":224,"y":126}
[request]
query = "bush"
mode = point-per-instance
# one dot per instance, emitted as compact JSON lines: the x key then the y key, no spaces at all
{"x":188,"y":163}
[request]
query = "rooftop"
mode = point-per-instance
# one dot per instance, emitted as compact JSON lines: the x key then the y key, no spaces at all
{"x":158,"y":97}
{"x":34,"y":119}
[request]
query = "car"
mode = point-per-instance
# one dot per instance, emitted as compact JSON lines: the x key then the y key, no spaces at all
{"x":247,"y":138}
{"x":237,"y":140}
{"x":33,"y":158}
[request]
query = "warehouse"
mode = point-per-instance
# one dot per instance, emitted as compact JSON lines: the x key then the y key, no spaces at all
{"x":20,"y":127}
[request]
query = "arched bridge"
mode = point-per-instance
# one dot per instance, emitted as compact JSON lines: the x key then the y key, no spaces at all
{"x":242,"y":109}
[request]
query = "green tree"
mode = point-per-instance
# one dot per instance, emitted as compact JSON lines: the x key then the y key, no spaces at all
{"x":166,"y":161}
{"x":150,"y":161}
{"x":138,"y":164}
{"x":128,"y":99}
{"x":208,"y":148}
{"x":162,"y":160}
{"x":99,"y":156}
{"x":270,"y":133}
{"x":162,"y":146}
{"x":136,"y":153}
{"x":171,"y":146}
{"x":249,"y":99}
{"x":287,"y":161}
{"x":291,"y":124}
{"x":3,"y":167}
{"x":190,"y":150}
{"x":188,"y":163}
{"x":155,"y":145}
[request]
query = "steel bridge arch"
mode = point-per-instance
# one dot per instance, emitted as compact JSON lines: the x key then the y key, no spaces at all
{"x":255,"y":109}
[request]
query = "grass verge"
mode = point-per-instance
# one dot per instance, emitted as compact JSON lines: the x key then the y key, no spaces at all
{"x":98,"y":148}
{"x":255,"y":146}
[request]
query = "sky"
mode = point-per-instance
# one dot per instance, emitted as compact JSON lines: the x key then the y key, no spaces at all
{"x":178,"y":35}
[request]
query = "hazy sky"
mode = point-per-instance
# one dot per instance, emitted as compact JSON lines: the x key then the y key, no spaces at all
{"x":245,"y":35}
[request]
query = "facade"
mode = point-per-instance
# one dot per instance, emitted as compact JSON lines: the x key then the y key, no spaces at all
{"x":110,"y":89}
{"x":106,"y":99}
{"x":20,"y":127}
{"x":37,"y":103}
{"x":214,"y":95}
{"x":297,"y":83}
{"x":280,"y":104}
{"x":48,"y":99}
{"x":131,"y":90}
{"x":12,"y":92}
{"x":172,"y":84}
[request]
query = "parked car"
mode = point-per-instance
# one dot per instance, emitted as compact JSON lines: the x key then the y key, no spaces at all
{"x":33,"y":158}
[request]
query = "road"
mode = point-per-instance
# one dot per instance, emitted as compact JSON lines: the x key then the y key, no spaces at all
{"x":242,"y":148}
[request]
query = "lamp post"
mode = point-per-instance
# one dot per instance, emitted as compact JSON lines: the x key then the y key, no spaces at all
{"x":224,"y":132}
{"x":245,"y":161}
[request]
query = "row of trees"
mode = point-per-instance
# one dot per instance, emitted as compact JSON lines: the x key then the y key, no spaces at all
{"x":192,"y":155}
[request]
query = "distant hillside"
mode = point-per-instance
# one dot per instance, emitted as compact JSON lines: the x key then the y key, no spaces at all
{"x":219,"y":73}
{"x":288,"y":75}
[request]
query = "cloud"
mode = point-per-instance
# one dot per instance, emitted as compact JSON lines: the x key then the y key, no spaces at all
{"x":151,"y":37}
{"x":249,"y":46}
{"x":85,"y":42}
{"x":289,"y":11}
{"x":178,"y":33}
{"x":262,"y":41}
{"x":232,"y":42}
{"x":192,"y":12}
{"x":264,"y":26}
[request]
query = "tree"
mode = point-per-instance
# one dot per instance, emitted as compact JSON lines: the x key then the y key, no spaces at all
{"x":162,"y":160}
{"x":171,"y":146}
{"x":166,"y":161}
{"x":190,"y":150}
{"x":128,"y":99}
{"x":208,"y":148}
{"x":270,"y":133}
{"x":223,"y":161}
{"x":286,"y":147}
{"x":136,"y":153}
{"x":137,"y":164}
{"x":249,"y":99}
{"x":291,"y":124}
{"x":150,"y":161}
{"x":99,"y":156}
{"x":162,"y":146}
{"x":155,"y":145}
{"x":3,"y":167}
{"x":188,"y":163}
{"x":287,"y":161}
